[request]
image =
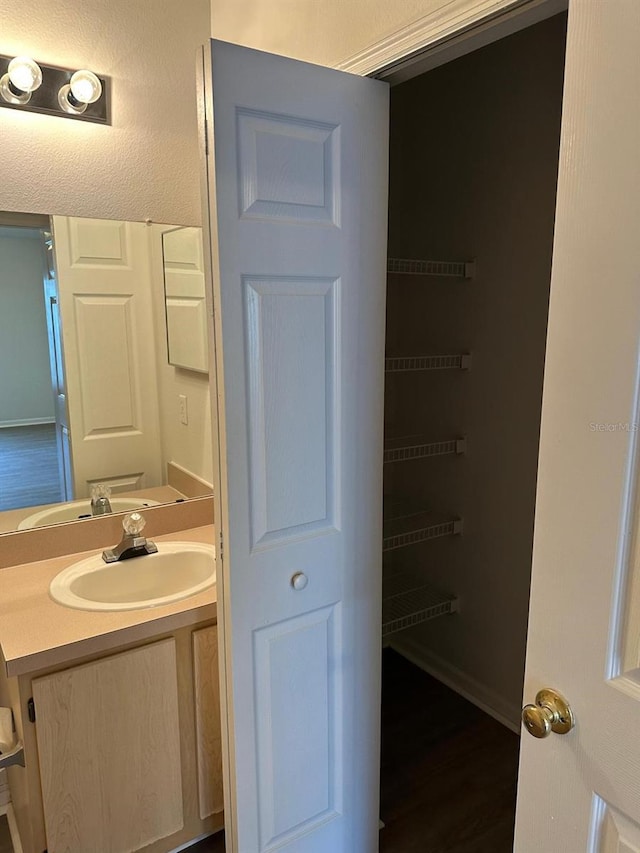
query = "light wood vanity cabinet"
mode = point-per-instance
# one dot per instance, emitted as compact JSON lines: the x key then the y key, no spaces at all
{"x":208,"y":731}
{"x":124,"y":754}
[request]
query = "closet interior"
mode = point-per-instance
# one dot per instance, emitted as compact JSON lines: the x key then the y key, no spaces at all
{"x":473,"y":168}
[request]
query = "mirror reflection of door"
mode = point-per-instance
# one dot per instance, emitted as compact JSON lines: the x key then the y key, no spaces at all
{"x":105,"y":292}
{"x":185,"y":307}
{"x":32,"y":467}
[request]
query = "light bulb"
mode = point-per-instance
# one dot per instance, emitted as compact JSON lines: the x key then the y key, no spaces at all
{"x":23,"y":77}
{"x":25,"y":74}
{"x":85,"y":87}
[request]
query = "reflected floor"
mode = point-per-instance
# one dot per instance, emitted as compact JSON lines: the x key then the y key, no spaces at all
{"x":28,"y":466}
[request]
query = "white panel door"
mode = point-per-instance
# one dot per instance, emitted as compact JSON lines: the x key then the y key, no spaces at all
{"x":104,"y":290}
{"x":581,"y":791}
{"x":299,"y":180}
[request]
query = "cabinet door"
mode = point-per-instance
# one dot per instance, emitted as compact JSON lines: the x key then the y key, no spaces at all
{"x":109,"y":752}
{"x":208,"y":734}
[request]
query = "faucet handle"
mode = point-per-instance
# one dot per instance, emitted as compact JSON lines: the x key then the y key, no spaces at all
{"x":132,"y":544}
{"x":100,"y":490}
{"x":133,"y":523}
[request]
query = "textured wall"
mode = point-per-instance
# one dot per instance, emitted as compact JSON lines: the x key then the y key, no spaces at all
{"x":329,"y":32}
{"x":145,"y":165}
{"x":322,"y":31}
{"x":188,"y":445}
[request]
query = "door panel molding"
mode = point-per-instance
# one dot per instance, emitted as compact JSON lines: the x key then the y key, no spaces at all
{"x":291,"y":339}
{"x":293,"y":801}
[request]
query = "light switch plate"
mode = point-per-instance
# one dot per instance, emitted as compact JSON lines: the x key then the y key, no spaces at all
{"x":182,"y":406}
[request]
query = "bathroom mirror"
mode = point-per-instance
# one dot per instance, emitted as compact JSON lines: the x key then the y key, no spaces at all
{"x":87,"y":395}
{"x":184,"y":299}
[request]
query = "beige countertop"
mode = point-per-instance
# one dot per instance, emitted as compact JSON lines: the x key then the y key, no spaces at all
{"x":36,"y":632}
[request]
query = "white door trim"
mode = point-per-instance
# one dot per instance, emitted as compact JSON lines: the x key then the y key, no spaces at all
{"x":448,"y":32}
{"x":220,"y":498}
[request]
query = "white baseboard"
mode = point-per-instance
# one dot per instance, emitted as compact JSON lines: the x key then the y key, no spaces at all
{"x":26,"y":422}
{"x":484,"y":697}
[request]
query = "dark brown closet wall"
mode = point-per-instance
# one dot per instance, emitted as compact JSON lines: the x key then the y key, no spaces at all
{"x":474,"y":161}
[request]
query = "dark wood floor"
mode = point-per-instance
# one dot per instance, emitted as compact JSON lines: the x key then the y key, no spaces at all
{"x":28,"y":466}
{"x":448,"y":779}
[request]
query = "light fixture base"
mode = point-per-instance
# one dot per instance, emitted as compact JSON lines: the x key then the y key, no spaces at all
{"x":64,"y":99}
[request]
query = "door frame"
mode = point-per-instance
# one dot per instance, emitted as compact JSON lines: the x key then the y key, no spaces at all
{"x":433,"y":40}
{"x":216,"y":401}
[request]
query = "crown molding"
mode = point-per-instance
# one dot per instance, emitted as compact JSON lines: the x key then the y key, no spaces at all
{"x":450,"y":19}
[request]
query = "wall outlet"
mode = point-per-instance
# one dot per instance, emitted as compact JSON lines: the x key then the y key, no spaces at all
{"x":182,"y":408}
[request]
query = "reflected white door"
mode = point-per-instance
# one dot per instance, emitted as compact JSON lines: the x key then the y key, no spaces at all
{"x":185,"y":306}
{"x":104,"y":291}
{"x":299,"y":180}
{"x":581,"y":791}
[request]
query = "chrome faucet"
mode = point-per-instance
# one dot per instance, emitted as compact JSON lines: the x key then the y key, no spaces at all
{"x":100,"y":504}
{"x":133,"y":544}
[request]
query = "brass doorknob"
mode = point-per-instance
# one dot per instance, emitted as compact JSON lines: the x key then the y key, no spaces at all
{"x":551,"y":713}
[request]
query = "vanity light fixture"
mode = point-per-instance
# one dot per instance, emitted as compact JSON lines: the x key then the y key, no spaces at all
{"x":35,"y":87}
{"x":22,"y":77}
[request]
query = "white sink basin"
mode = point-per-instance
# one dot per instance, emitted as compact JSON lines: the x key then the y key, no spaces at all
{"x":178,"y":570}
{"x":80,"y":509}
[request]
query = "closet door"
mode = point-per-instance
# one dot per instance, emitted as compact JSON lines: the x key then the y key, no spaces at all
{"x":298,"y":195}
{"x":580,"y":791}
